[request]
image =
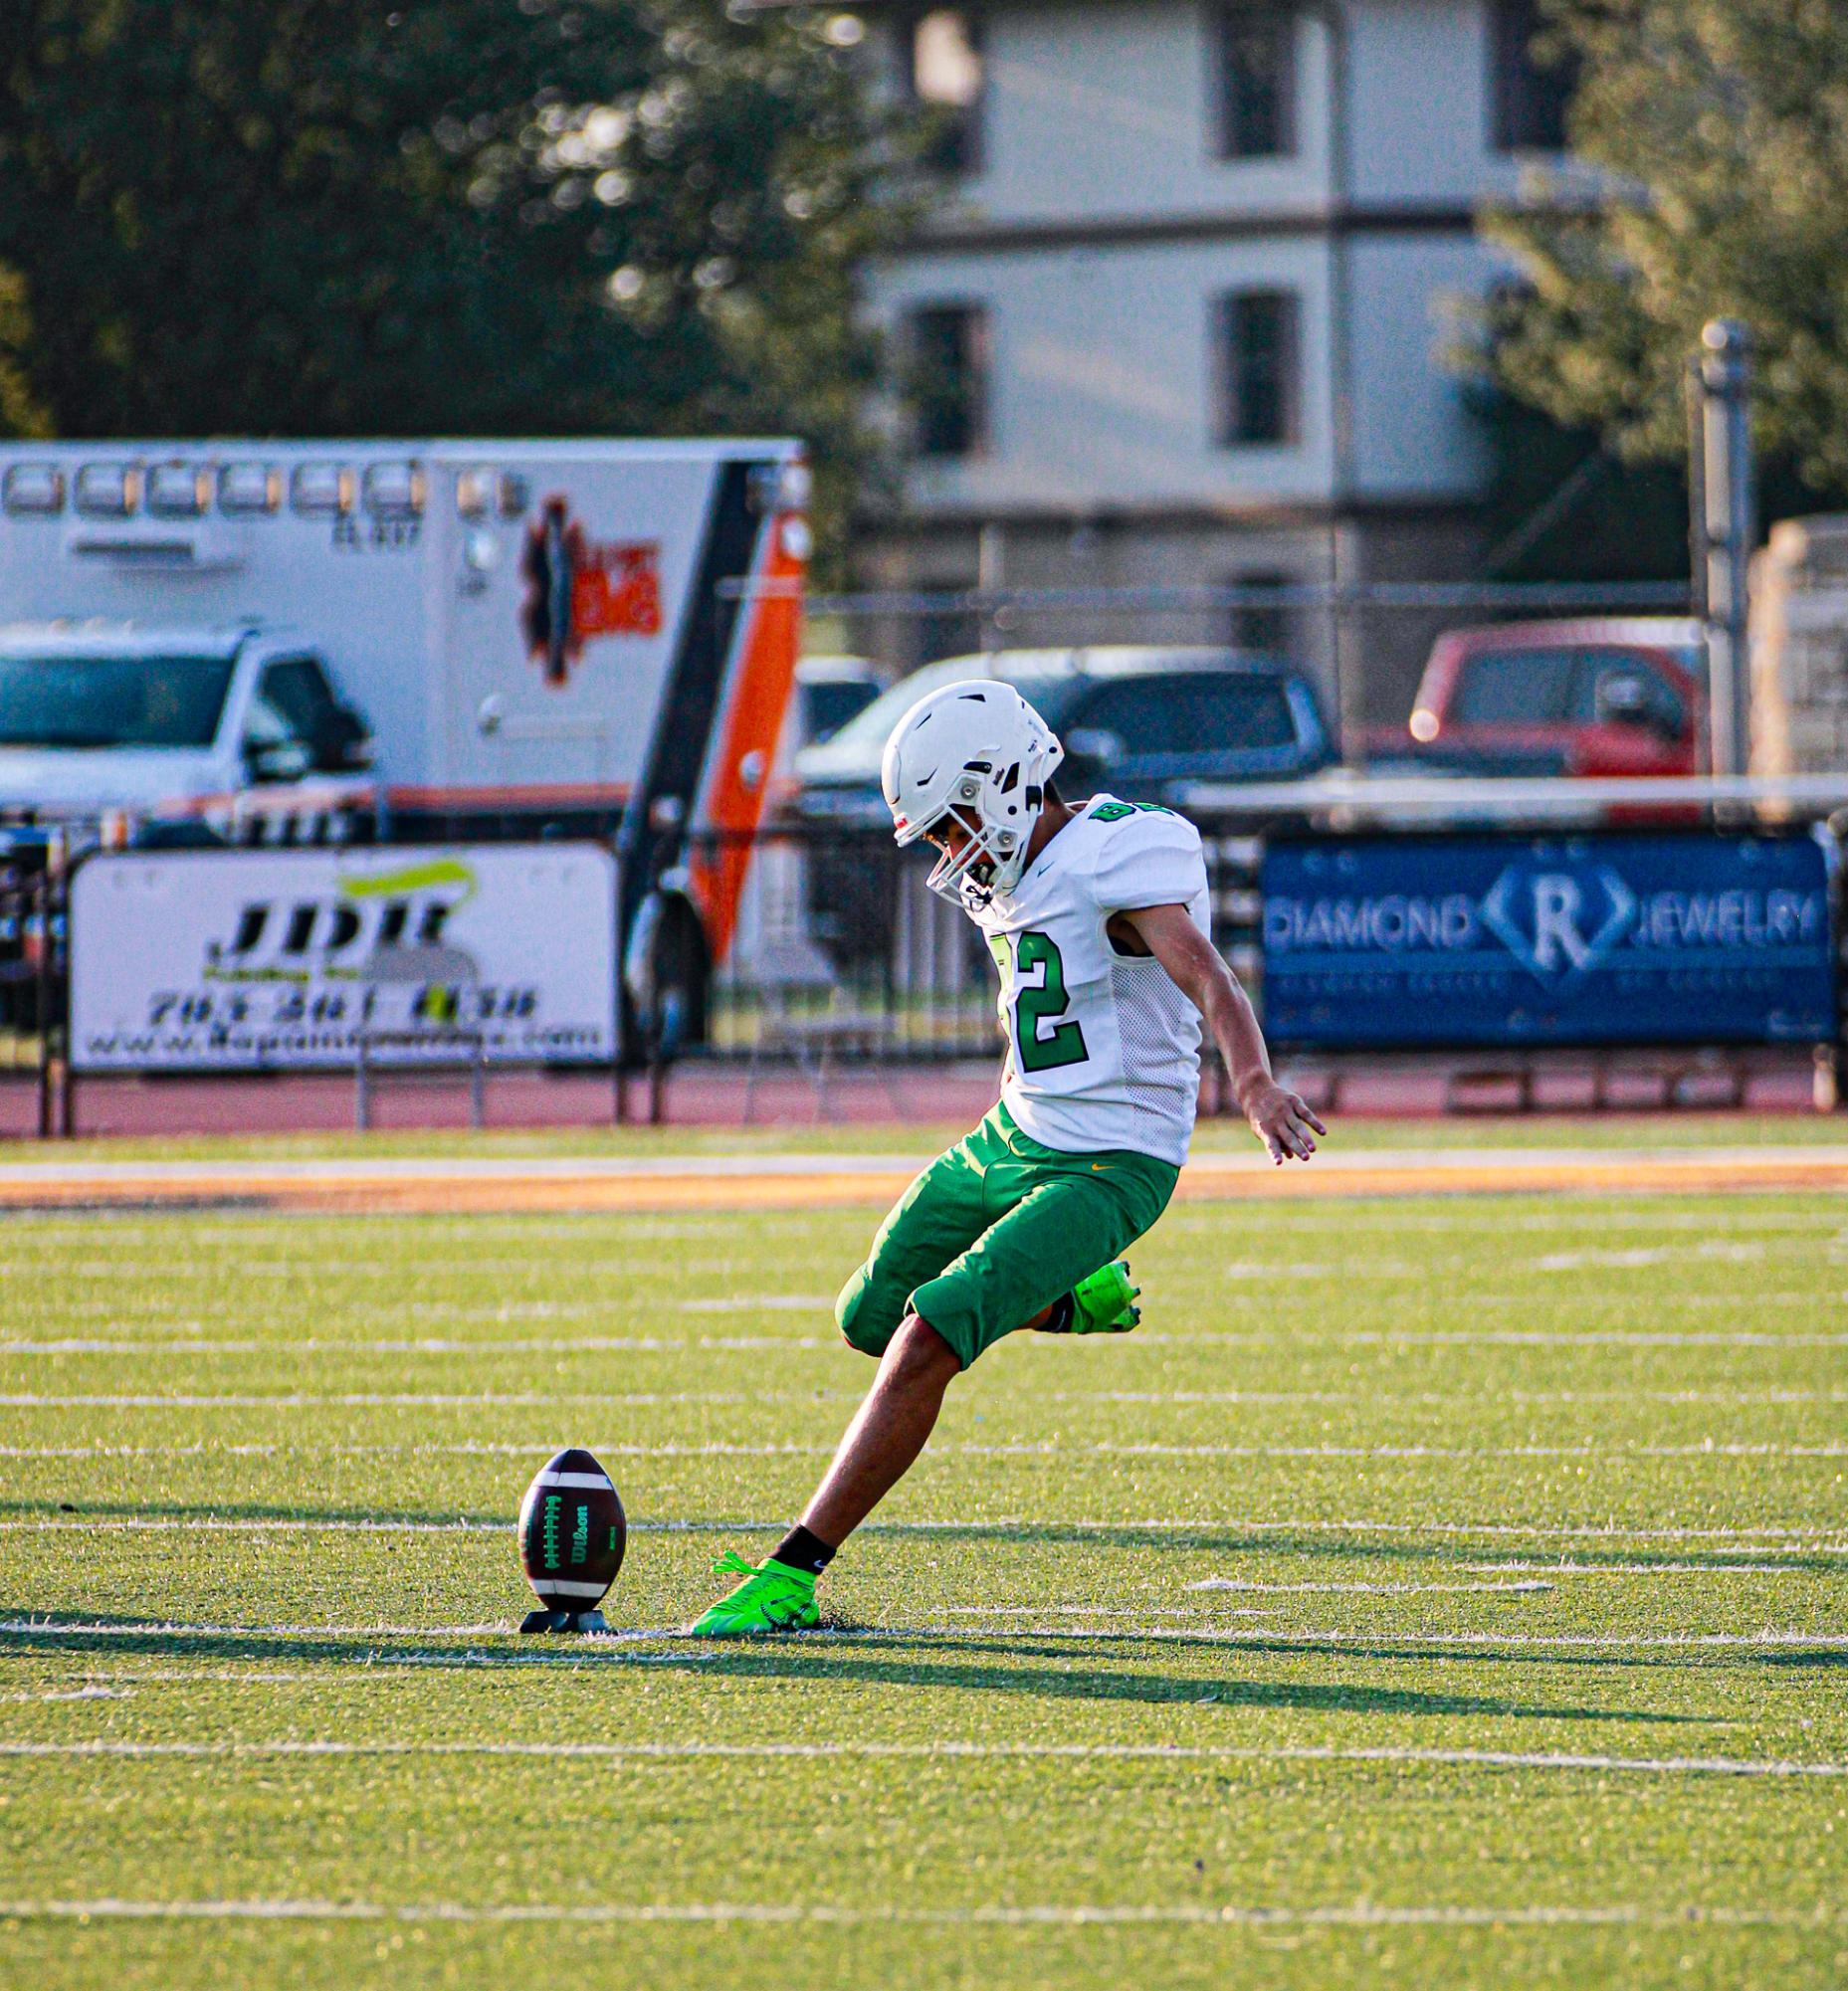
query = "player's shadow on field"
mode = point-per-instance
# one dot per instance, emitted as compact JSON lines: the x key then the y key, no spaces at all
{"x":980,"y":1663}
{"x":973,"y":1673}
{"x":1065,"y":1682}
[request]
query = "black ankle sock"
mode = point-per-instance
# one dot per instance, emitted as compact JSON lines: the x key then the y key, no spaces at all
{"x":799,"y":1549}
{"x":1063,"y":1309}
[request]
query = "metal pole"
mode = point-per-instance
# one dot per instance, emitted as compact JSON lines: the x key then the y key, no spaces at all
{"x":1726,"y":475}
{"x":1348,"y":693}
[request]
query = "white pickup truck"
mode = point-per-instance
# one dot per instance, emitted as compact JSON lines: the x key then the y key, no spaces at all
{"x":176,"y":724}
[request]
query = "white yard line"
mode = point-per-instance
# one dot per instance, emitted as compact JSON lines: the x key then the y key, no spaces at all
{"x":1441,"y":1399}
{"x":293,"y":1399}
{"x":1578,"y":1211}
{"x":627,"y":1399}
{"x":1645,"y":1255}
{"x":1440,"y":1163}
{"x":92,"y":1692}
{"x":1623,"y":1914}
{"x":533,"y":1265}
{"x":1059,"y":1448}
{"x":1771,"y":1540}
{"x":318,"y":1344}
{"x":764,"y":1303}
{"x":1508,"y":1337}
{"x":1708,"y":1448}
{"x":1637,"y":1568}
{"x":315,"y":1344}
{"x":1766,"y":1639}
{"x":829,"y":1344}
{"x":1248,"y":1587}
{"x":1155,"y":1752}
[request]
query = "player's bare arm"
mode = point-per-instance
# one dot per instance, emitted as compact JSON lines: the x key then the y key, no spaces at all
{"x":1279,"y":1117}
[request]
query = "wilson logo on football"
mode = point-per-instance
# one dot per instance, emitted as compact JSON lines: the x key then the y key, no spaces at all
{"x":578,"y":588}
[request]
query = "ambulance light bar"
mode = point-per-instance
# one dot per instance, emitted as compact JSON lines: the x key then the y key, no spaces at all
{"x":115,"y":488}
{"x":34,"y":488}
{"x":395,"y":491}
{"x":321,"y":489}
{"x":178,"y":491}
{"x":245,"y":490}
{"x":479,"y":492}
{"x":108,"y":490}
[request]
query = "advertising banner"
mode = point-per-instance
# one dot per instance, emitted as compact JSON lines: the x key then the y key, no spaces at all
{"x":241,"y":960}
{"x":1499,"y":941}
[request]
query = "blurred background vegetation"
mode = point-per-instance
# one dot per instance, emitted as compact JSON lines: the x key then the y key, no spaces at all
{"x":1715,"y":137}
{"x":546,"y":216}
{"x":476,"y":217}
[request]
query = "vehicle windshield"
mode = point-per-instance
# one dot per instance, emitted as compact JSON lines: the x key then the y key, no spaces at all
{"x":112,"y":702}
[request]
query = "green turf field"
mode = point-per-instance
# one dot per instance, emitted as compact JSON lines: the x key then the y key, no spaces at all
{"x":1442,"y":1591}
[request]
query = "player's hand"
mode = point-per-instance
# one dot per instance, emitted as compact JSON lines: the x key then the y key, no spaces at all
{"x":1283,"y":1122}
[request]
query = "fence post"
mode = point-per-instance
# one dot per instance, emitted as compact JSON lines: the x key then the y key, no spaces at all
{"x":57,"y":1085}
{"x":1726,"y":481}
{"x":47,"y":1076}
{"x":1829,"y":1086}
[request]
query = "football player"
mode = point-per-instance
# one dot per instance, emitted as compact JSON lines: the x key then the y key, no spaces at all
{"x":1097,"y":915}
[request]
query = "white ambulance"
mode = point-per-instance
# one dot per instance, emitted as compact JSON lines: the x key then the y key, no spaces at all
{"x":287,"y":642}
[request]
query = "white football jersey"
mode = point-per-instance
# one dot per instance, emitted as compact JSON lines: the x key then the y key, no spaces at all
{"x":1104,"y":1050}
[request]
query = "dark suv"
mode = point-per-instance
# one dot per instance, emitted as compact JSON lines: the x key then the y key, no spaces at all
{"x":1139,"y":721}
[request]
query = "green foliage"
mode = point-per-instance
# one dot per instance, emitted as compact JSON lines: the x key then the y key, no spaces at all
{"x":1720,"y":132}
{"x":488,"y":217}
{"x":20,"y":415}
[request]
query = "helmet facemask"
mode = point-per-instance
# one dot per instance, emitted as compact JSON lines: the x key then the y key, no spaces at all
{"x":995,"y":834}
{"x":971,"y":759}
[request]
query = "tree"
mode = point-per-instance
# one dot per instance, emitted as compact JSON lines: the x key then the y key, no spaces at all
{"x":1718,"y":129}
{"x":412,"y":217}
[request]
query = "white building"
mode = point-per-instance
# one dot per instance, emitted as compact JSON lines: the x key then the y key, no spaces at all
{"x":1183,"y":322}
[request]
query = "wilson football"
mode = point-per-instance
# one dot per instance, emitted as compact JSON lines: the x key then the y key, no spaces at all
{"x":571,"y":1533}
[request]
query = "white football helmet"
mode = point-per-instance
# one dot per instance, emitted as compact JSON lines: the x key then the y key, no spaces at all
{"x":975,"y":754}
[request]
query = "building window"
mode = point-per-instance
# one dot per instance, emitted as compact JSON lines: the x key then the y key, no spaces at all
{"x":1528,"y":94}
{"x":1261,"y":369}
{"x":950,"y":379}
{"x":1253,"y":80}
{"x":946,"y":74}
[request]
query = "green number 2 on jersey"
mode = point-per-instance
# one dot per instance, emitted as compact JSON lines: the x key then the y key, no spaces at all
{"x":1037,"y":1002}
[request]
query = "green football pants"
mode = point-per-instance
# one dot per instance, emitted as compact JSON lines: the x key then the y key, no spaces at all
{"x":995,"y":1230}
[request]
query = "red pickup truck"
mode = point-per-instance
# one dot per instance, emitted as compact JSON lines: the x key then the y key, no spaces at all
{"x":1612,"y":696}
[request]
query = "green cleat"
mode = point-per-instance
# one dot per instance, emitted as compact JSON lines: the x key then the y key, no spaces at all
{"x":774,"y":1597}
{"x":1105,"y":1304}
